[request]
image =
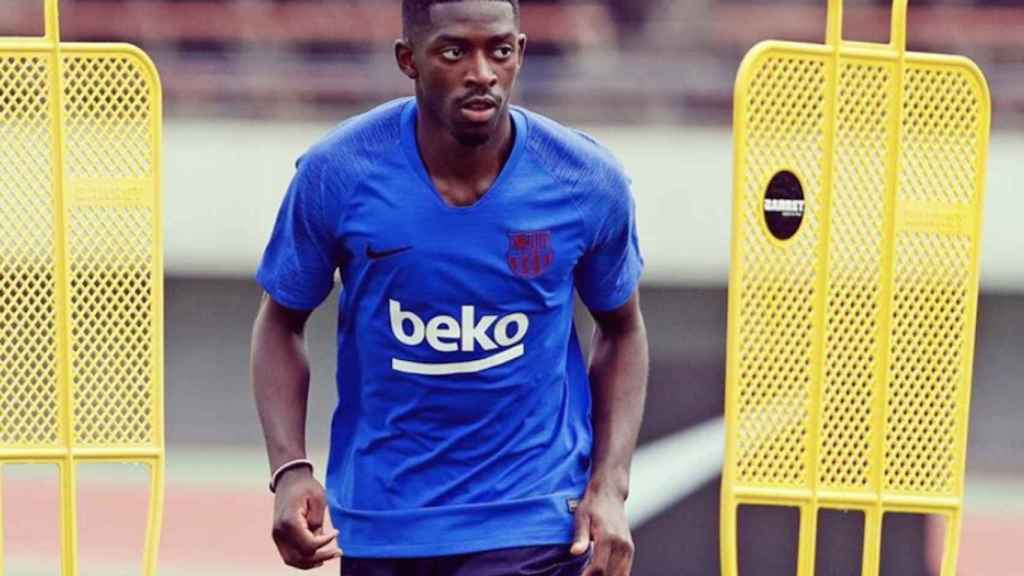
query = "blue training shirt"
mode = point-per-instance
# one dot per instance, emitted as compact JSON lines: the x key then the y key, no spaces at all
{"x":463,"y":417}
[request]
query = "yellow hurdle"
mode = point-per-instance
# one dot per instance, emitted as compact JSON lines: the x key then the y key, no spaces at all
{"x":858,"y":181}
{"x":81,"y":265}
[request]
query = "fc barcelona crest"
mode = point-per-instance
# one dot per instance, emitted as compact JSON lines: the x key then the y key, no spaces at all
{"x":530,"y":253}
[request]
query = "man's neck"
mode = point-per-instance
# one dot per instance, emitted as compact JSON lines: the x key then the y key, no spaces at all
{"x":462,"y":174}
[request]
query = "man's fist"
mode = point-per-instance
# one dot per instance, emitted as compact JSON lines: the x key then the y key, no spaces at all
{"x":299,"y":521}
{"x":601,"y":520}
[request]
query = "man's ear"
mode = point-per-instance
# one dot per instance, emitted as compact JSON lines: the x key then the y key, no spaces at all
{"x":403,"y":56}
{"x":521,"y":40}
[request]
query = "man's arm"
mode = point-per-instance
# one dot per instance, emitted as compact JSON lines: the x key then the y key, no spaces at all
{"x":618,"y":380}
{"x":280,"y":380}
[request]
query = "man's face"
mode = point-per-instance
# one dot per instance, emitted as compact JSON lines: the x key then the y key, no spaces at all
{"x":465,"y":63}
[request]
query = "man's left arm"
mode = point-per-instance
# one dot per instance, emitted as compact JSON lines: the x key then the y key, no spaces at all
{"x":618,"y":381}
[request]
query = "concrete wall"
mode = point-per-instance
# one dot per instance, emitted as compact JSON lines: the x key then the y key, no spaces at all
{"x":224,"y":181}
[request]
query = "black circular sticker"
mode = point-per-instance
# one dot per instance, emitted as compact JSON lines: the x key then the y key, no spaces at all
{"x":784,"y":205}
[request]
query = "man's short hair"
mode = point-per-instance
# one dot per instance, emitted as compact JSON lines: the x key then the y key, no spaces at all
{"x":416,"y":13}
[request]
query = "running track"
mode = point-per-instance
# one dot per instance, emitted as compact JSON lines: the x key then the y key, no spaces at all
{"x":217,"y":517}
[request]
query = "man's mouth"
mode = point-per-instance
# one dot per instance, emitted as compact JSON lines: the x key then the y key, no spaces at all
{"x":479,"y":109}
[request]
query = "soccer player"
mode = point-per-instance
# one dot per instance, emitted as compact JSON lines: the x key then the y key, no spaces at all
{"x":469,"y":438}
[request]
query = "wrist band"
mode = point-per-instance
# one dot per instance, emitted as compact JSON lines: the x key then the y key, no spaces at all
{"x":284,"y":468}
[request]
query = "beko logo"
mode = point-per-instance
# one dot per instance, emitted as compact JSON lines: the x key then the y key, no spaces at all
{"x":502,"y":336}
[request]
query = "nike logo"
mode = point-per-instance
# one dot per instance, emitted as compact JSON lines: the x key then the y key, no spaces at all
{"x":372,"y":255}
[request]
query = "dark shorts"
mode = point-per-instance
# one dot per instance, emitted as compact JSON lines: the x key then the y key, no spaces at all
{"x":526,"y":561}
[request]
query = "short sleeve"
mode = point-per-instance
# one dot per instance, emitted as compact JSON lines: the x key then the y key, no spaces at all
{"x":609,"y":270}
{"x":297,"y":268}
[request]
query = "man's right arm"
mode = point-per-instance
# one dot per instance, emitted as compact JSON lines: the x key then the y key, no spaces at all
{"x":280,"y":380}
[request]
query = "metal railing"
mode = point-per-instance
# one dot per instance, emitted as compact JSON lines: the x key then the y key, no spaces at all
{"x":310,"y":57}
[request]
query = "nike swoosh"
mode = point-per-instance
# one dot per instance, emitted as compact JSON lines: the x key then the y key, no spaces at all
{"x":372,"y":255}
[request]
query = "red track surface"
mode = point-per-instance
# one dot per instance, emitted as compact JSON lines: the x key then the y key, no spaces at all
{"x":216,"y":528}
{"x":227,"y":530}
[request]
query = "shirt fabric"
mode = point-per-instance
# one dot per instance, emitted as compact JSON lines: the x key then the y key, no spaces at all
{"x":463,"y":416}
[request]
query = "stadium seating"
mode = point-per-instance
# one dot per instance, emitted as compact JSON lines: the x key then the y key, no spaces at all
{"x":589,"y":58}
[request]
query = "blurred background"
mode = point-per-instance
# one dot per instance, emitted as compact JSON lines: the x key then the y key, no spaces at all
{"x":249,"y":84}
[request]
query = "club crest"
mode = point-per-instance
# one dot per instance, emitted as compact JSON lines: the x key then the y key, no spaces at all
{"x":530,"y":253}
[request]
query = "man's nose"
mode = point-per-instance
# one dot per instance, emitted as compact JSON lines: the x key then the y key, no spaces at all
{"x":481,"y":72}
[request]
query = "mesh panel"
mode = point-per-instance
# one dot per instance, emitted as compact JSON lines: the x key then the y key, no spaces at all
{"x":785,"y":117}
{"x":929,"y":312}
{"x":106,"y":117}
{"x":28,"y":346}
{"x":939,"y":164}
{"x":940,"y":146}
{"x":111,"y":325}
{"x":111,"y":238}
{"x":858,"y":215}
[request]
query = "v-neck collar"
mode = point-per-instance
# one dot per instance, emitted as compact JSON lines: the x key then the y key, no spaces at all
{"x":412,"y":153}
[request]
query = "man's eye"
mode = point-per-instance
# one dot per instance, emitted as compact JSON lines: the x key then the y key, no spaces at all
{"x":504,"y":52}
{"x":452,"y":54}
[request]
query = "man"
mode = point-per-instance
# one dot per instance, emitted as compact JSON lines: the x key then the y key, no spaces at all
{"x":468,"y":439}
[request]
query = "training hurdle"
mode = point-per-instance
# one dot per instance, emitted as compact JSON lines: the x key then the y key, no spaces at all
{"x":858,"y":181}
{"x":81,"y":265}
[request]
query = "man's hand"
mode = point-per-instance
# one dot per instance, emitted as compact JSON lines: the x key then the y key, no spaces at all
{"x":601,"y":518}
{"x":299,"y":521}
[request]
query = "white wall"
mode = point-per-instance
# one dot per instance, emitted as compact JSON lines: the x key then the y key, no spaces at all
{"x":224,"y":180}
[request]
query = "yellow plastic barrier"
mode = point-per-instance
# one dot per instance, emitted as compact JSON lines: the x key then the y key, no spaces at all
{"x":81,"y":265}
{"x":858,"y":183}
